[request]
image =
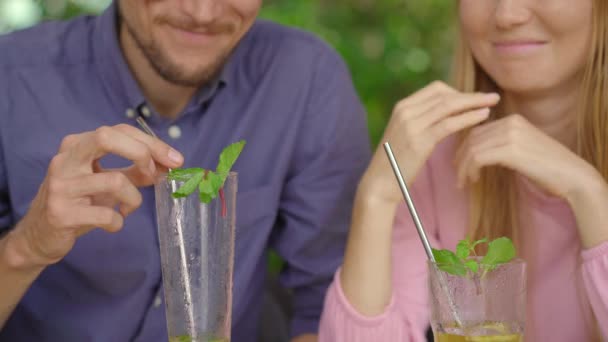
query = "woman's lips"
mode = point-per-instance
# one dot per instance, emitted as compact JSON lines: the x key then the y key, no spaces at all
{"x":518,"y":47}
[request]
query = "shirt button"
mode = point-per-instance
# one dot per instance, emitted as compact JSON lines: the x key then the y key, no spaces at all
{"x":175,"y":132}
{"x":145,"y":111}
{"x":130,"y":113}
{"x":157,"y":301}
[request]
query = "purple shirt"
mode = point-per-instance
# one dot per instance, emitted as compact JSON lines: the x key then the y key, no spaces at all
{"x":285,"y":92}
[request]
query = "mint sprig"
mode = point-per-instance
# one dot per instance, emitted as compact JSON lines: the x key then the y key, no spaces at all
{"x":449,"y":262}
{"x":210,"y":187}
{"x":461,"y":263}
{"x":209,"y":183}
{"x":500,"y":251}
{"x":228,"y":157}
{"x":190,"y":185}
{"x":184,"y":175}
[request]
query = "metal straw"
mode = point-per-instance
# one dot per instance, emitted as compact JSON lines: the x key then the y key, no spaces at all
{"x":182,"y":247}
{"x":420,"y":229}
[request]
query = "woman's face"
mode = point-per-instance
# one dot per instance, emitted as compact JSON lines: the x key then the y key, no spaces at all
{"x":529,"y":46}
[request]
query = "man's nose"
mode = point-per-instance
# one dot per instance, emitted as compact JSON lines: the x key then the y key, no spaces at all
{"x":201,"y":11}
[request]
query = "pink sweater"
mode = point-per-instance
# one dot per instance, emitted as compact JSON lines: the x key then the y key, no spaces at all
{"x":562,"y":280}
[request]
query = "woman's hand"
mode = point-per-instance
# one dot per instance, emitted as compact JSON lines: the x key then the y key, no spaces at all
{"x":513,"y":142}
{"x":417,"y":125}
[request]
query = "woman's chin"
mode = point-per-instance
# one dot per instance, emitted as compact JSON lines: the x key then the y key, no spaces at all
{"x":525,"y":87}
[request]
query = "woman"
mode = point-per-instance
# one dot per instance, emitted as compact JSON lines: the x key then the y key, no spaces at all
{"x":520,"y":149}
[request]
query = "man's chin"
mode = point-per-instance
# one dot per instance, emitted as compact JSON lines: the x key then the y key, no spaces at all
{"x":189,"y":77}
{"x":184,"y":67}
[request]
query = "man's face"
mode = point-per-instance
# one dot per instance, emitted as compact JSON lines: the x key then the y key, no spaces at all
{"x":187,"y":41}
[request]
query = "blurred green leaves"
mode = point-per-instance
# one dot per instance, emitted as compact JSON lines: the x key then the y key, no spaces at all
{"x":392,"y":47}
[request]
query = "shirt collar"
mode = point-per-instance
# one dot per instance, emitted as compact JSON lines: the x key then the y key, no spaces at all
{"x":117,"y":76}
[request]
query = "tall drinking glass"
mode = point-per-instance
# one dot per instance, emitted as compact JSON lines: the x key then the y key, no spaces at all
{"x":197,"y":252}
{"x":491,"y":307}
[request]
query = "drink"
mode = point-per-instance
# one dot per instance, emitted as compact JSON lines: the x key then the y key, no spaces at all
{"x":487,"y":338}
{"x":197,"y":251}
{"x":186,"y":338}
{"x":489,"y":305}
{"x":487,"y":332}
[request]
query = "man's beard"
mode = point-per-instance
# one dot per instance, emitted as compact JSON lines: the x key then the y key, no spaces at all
{"x":169,"y":71}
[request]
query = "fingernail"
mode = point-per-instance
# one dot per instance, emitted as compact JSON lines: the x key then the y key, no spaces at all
{"x":483,"y":111}
{"x":175,"y":156}
{"x":152,"y":166}
{"x":493,"y":96}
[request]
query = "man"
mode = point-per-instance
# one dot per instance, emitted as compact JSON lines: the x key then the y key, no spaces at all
{"x":74,"y":167}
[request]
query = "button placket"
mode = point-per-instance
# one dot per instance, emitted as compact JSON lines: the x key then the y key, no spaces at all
{"x":130,"y":113}
{"x":145,"y":111}
{"x":158,"y":301}
{"x":174,"y":132}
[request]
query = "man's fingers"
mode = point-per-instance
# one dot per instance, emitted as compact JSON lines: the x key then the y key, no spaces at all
{"x":162,"y":152}
{"x":106,"y":140}
{"x":138,"y":178}
{"x":134,"y":174}
{"x":69,"y":141}
{"x":124,"y":141}
{"x":116,"y":185}
{"x":87,"y":218}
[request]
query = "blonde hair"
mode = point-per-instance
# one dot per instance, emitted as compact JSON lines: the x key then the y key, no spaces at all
{"x":495,"y":206}
{"x":494,"y":200}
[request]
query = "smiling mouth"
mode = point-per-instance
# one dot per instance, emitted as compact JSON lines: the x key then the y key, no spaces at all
{"x":194,"y":37}
{"x":517,"y":47}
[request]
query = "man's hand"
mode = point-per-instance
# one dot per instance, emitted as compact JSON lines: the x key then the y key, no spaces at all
{"x":77,"y":196}
{"x":305,"y":338}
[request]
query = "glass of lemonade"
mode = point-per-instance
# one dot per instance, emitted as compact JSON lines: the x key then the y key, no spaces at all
{"x":197,"y":252}
{"x":490,"y":307}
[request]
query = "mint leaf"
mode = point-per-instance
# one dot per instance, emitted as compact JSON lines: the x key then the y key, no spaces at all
{"x":183,"y":175}
{"x":500,"y":251}
{"x":448,"y":262}
{"x":484,"y":240}
{"x":472,"y":265}
{"x":209,"y":183}
{"x":228,"y":157}
{"x":463,"y":249}
{"x":189,"y":186}
{"x":209,"y":187}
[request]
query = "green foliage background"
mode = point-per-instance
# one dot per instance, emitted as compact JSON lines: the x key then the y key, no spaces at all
{"x":392,"y":47}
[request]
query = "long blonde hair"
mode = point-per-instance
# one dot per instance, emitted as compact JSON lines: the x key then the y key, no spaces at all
{"x":494,"y":204}
{"x":495,"y":207}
